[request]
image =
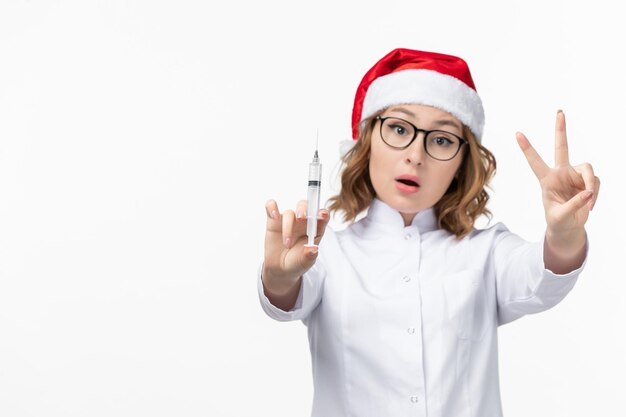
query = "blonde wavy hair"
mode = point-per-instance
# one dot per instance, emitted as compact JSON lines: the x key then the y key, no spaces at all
{"x":457,"y":210}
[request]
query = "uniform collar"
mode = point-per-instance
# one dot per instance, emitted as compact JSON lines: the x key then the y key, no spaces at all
{"x":380,"y":214}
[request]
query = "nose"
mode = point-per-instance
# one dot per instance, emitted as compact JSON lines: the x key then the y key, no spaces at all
{"x":416,"y":153}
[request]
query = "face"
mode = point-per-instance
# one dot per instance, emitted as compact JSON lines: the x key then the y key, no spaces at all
{"x":409,"y":180}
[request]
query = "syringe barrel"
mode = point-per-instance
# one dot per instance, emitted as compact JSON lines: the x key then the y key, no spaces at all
{"x":315,"y":172}
{"x":313,"y":197}
{"x":311,"y":215}
{"x":313,"y":200}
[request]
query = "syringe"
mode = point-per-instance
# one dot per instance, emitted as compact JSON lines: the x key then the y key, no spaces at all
{"x":313,"y":198}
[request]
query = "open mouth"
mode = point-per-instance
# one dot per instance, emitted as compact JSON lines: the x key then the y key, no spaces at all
{"x":408,"y":182}
{"x":408,"y":179}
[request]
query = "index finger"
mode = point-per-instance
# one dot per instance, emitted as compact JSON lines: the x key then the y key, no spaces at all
{"x":274,"y":219}
{"x":561,"y":151}
{"x":539,"y":167}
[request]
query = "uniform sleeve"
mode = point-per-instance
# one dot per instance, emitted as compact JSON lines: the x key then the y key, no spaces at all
{"x":308,"y":298}
{"x":523,"y":284}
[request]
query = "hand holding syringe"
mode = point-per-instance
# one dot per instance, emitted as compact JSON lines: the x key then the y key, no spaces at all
{"x":291,"y":240}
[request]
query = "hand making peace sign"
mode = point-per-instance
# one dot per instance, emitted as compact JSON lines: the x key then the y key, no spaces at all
{"x":568,"y":192}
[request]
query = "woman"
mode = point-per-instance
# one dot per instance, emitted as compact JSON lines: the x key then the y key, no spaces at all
{"x":402,"y":307}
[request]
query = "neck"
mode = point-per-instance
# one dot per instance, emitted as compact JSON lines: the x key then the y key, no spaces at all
{"x":408,"y":218}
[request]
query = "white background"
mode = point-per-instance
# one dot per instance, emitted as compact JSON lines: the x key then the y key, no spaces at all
{"x":139,"y":141}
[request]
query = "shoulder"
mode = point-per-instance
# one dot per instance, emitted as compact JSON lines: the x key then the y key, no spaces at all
{"x":488,"y":236}
{"x":491,"y":230}
{"x":340,"y":231}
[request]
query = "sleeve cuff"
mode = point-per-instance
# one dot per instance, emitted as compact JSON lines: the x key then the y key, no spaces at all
{"x":308,"y":297}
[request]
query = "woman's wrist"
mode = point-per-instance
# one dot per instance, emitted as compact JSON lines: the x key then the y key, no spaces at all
{"x":564,"y":251}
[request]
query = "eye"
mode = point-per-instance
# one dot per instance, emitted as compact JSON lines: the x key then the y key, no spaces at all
{"x":441,"y":141}
{"x":399,"y":129}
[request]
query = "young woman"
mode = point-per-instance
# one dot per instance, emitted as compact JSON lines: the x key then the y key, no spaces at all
{"x":402,"y":307}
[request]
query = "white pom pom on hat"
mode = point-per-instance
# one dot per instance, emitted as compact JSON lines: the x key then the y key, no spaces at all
{"x":407,"y":76}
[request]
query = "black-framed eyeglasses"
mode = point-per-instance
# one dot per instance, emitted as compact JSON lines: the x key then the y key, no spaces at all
{"x":438,"y":144}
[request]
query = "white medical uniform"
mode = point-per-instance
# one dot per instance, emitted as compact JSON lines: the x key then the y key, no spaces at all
{"x":402,"y":320}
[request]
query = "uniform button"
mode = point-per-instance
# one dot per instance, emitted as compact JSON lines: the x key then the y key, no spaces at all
{"x":407,"y":236}
{"x":406,"y":278}
{"x":414,"y":399}
{"x":411,"y":330}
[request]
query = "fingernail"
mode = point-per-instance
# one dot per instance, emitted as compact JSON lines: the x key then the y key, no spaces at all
{"x":274,"y":214}
{"x":300,"y":215}
{"x":288,"y":242}
{"x":587,"y":194}
{"x":313,"y":252}
{"x":559,"y":111}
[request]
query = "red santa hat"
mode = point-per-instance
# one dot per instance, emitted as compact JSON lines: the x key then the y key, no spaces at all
{"x":406,"y":76}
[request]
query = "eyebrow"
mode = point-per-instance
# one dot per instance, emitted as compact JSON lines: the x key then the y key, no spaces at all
{"x":438,"y":122}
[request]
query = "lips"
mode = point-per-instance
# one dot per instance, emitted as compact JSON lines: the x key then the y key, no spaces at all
{"x":407,"y":183}
{"x":410,"y":180}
